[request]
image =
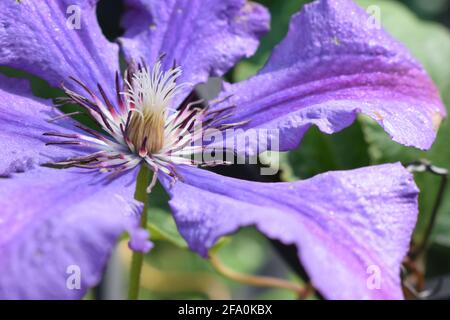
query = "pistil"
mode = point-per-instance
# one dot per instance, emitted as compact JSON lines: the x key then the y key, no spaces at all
{"x":147,"y":131}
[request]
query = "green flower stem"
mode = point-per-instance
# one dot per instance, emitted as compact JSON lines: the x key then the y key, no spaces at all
{"x":138,"y":257}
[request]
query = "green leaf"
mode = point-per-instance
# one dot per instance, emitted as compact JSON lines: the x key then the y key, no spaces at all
{"x":162,"y":227}
{"x":429,"y":43}
{"x":319,"y":152}
{"x":246,"y":251}
{"x":160,"y":221}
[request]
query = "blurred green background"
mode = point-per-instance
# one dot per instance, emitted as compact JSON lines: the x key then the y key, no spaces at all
{"x":173,"y":272}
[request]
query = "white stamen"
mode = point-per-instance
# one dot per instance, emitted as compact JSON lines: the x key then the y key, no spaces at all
{"x":142,"y":128}
{"x":152,"y":91}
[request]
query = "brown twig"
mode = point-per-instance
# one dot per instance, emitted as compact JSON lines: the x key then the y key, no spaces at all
{"x":426,"y":166}
{"x":259,"y":281}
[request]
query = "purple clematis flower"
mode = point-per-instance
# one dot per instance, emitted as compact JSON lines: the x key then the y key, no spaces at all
{"x":330,"y":67}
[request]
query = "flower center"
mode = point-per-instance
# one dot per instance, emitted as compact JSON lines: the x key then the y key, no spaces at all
{"x":142,"y":126}
{"x":147,"y":131}
{"x":149,"y":95}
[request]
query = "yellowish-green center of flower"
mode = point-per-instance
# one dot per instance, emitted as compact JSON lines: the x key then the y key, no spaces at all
{"x":147,"y":130}
{"x":150,"y":94}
